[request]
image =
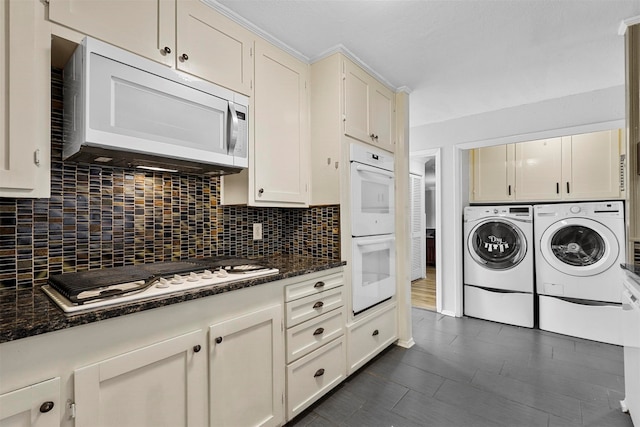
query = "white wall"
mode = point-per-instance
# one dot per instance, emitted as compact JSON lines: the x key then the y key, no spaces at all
{"x":586,"y":112}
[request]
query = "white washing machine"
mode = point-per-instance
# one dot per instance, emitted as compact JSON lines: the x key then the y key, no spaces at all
{"x":579,"y":248}
{"x":498,"y":264}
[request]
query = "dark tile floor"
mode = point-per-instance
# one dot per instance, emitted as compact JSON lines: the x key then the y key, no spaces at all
{"x":468,"y":372}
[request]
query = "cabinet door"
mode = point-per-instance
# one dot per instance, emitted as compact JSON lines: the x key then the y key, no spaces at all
{"x":281,"y":134}
{"x":539,"y":170}
{"x":591,"y":166}
{"x":34,"y":406}
{"x":142,"y":27}
{"x":382,"y":121}
{"x":211,"y":46}
{"x":356,"y":102}
{"x":163,"y":384}
{"x":247,"y":356}
{"x":25,"y":67}
{"x":493,"y":174}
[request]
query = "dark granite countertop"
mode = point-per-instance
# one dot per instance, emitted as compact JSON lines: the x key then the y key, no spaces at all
{"x":29,"y":312}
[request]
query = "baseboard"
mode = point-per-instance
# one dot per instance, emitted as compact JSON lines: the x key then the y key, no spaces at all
{"x":448,"y":313}
{"x":406,"y":343}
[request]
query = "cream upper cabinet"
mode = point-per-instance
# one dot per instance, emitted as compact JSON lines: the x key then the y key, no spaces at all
{"x":185,"y":34}
{"x":212,"y":47}
{"x":25,"y":139}
{"x":163,"y":384}
{"x":143,"y":27}
{"x":368,"y":108}
{"x":37,"y":405}
{"x":279,"y":170}
{"x":493,"y":174}
{"x":591,"y":165}
{"x":538,"y":170}
{"x":247,"y":356}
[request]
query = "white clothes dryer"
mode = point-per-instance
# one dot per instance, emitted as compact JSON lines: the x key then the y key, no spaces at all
{"x":498,"y":264}
{"x":579,"y":247}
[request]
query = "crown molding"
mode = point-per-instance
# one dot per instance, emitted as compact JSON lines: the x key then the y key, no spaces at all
{"x":622,"y":30}
{"x":405,"y":89}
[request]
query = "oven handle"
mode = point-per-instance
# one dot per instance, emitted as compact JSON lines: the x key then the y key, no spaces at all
{"x":375,"y":171}
{"x":376,"y":242}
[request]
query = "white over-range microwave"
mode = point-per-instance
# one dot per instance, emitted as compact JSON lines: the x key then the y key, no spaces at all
{"x":124,"y":110}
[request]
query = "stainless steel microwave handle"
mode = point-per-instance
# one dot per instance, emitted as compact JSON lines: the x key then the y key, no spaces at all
{"x":364,"y":168}
{"x":233,"y":132}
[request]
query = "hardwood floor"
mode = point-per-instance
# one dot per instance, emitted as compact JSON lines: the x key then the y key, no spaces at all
{"x":469,"y":372}
{"x":423,"y":291}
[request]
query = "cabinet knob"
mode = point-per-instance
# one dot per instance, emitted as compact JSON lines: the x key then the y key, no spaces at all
{"x":375,"y":333}
{"x":197,"y":348}
{"x":319,"y":373}
{"x":260,"y":191}
{"x":319,"y":304}
{"x":318,"y":331}
{"x":166,"y":49}
{"x":218,"y":340}
{"x":46,"y":407}
{"x":318,"y":285}
{"x":184,"y":57}
{"x":372,"y":136}
{"x":375,"y":137}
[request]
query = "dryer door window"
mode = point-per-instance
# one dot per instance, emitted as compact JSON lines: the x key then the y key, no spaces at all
{"x":579,"y":247}
{"x":498,"y":245}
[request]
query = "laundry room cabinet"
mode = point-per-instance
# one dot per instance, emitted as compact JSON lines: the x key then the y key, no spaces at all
{"x":578,"y":167}
{"x":186,"y":34}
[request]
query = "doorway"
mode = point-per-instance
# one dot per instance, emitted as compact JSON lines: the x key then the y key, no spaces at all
{"x":424,"y":219}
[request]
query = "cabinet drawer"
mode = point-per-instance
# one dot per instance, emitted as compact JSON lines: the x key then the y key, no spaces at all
{"x":308,"y":336}
{"x":314,"y":305}
{"x":370,"y":336}
{"x":315,"y":374}
{"x":312,"y":287}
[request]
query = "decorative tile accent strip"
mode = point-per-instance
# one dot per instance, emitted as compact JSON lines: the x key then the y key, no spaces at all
{"x":107,"y":217}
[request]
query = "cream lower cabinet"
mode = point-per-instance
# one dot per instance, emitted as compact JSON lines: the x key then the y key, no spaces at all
{"x":25,"y":139}
{"x":579,"y":167}
{"x":246,"y":383}
{"x":186,"y":34}
{"x":371,"y":334}
{"x":163,"y":384}
{"x":315,"y":347}
{"x":37,"y":405}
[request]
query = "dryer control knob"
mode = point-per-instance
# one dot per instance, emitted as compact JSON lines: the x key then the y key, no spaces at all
{"x":575,"y":209}
{"x":495,"y":211}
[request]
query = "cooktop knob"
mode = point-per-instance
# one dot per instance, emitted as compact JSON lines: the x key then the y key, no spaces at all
{"x":162,"y":283}
{"x":177,"y":280}
{"x":193,"y":277}
{"x":575,"y":209}
{"x":222,"y":273}
{"x":207,"y":274}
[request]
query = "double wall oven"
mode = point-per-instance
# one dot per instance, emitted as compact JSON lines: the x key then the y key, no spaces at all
{"x":373,"y":259}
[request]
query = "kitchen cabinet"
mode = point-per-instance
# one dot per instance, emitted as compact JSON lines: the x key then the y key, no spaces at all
{"x":163,"y":384}
{"x":578,"y":167}
{"x":368,"y":108}
{"x":369,"y":335}
{"x":246,"y":382}
{"x":347,"y":105}
{"x":185,"y":34}
{"x":493,"y":171}
{"x":315,"y":346}
{"x":278,"y":174}
{"x":37,"y":405}
{"x":25,"y":140}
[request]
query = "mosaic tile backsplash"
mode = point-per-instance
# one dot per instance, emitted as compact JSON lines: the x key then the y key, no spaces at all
{"x":106,"y":217}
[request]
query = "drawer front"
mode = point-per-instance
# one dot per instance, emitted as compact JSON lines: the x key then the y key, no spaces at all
{"x":370,"y":336}
{"x":308,"y":336}
{"x":315,"y":374}
{"x":312,"y":306}
{"x":312,"y":287}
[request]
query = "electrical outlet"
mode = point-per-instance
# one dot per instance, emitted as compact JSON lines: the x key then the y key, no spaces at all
{"x":257,"y":231}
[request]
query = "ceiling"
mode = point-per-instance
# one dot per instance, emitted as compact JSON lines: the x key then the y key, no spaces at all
{"x":460,"y":57}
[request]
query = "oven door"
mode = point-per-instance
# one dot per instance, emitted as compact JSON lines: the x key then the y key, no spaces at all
{"x":373,"y":271}
{"x":372,"y":200}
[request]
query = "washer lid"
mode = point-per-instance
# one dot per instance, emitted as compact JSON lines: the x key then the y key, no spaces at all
{"x":579,"y":247}
{"x":497,"y":244}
